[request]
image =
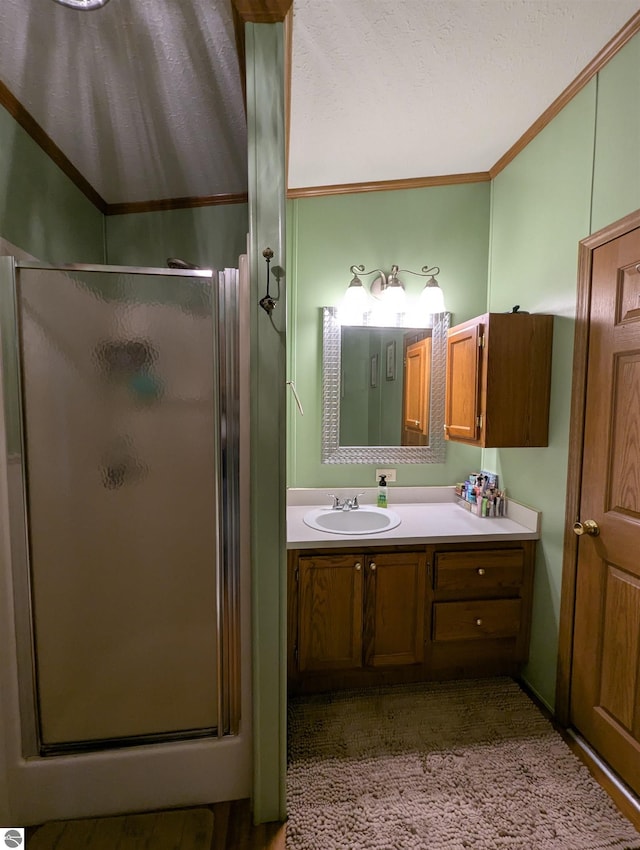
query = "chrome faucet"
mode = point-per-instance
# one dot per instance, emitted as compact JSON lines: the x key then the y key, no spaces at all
{"x":344,"y":504}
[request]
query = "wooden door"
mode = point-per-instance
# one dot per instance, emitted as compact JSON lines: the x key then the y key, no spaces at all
{"x":463,"y":382}
{"x":605,"y":679}
{"x":417,"y":394}
{"x":330,"y":612}
{"x":394,"y":609}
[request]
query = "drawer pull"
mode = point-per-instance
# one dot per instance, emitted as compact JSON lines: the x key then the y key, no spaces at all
{"x":479,"y":621}
{"x":373,"y":567}
{"x":481,"y":571}
{"x":358,"y":565}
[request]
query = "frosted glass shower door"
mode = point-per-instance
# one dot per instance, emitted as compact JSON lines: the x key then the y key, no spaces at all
{"x":120,"y":427}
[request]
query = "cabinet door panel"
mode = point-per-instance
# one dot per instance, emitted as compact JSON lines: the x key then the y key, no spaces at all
{"x":394,"y":609}
{"x":330,"y":612}
{"x":463,"y":383}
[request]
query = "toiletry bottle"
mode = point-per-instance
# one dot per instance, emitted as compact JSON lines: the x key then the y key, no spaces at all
{"x":382,"y":492}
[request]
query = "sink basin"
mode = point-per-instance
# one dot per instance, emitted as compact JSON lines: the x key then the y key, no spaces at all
{"x":365,"y":520}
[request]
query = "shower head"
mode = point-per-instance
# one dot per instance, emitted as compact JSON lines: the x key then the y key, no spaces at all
{"x":176,"y":263}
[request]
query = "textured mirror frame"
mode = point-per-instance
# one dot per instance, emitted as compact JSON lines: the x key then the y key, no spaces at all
{"x":332,"y":451}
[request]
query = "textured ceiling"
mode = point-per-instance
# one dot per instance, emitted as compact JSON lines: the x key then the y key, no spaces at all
{"x":417,"y":88}
{"x":144,"y":96}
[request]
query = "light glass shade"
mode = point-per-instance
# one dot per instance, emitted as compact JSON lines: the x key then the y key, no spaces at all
{"x":354,"y":304}
{"x":394,"y":298}
{"x":87,"y":5}
{"x":431,"y":299}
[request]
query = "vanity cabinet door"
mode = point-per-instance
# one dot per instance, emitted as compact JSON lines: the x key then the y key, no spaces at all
{"x":330,"y":594}
{"x":394,"y":609}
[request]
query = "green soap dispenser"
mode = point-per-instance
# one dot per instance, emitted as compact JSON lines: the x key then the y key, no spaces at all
{"x":382,"y":492}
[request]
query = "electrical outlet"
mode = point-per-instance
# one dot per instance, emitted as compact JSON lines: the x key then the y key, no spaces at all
{"x":390,"y":474}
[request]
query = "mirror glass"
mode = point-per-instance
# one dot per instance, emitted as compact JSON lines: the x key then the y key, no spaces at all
{"x":383,"y":392}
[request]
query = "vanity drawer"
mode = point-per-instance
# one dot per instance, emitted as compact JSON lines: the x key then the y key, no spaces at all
{"x":476,"y":620}
{"x":479,"y":570}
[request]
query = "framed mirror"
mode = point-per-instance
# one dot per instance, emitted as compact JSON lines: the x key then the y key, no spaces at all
{"x":383,"y":392}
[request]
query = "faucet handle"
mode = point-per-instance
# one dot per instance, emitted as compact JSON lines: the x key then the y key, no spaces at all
{"x":355,"y":500}
{"x":336,"y":501}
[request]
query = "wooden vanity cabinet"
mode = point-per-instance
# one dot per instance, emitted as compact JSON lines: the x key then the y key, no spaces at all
{"x":354,"y":613}
{"x":498,"y":380}
{"x":405,"y":614}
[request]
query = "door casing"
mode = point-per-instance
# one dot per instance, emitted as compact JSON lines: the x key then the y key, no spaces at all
{"x":574,"y":473}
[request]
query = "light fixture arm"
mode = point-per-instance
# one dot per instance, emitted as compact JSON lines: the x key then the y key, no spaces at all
{"x":357,"y":270}
{"x":426,"y":271}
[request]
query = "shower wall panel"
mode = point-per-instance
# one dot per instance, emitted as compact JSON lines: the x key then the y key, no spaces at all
{"x":119,"y":422}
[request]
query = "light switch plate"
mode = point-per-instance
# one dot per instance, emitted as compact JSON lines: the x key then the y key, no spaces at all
{"x":390,"y":474}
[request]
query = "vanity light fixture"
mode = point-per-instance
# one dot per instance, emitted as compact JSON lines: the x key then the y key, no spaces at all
{"x":384,"y":302}
{"x":86,"y":5}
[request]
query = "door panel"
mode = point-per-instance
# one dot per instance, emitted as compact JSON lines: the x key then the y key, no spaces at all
{"x":605,"y":692}
{"x":417,"y":380}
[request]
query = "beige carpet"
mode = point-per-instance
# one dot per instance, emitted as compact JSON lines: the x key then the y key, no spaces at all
{"x":183,"y":829}
{"x":441,"y":766}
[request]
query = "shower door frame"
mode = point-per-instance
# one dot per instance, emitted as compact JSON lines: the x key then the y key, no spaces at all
{"x":225,"y":390}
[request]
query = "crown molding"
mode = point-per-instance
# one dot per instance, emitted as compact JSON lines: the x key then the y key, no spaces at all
{"x":176,"y":203}
{"x":388,"y":185}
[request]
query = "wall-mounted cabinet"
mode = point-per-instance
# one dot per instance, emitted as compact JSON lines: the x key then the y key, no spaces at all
{"x":403,"y":613}
{"x":498,"y":380}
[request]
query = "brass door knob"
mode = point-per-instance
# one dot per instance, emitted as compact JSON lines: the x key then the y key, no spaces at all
{"x":357,"y":565}
{"x":589,"y":526}
{"x":481,"y":571}
{"x":373,"y":567}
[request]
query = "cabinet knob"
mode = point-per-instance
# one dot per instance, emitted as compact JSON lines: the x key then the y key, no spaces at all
{"x":358,"y":565}
{"x":479,"y":622}
{"x":373,"y":567}
{"x":481,"y":571}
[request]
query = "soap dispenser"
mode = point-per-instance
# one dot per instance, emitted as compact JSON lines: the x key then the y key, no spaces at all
{"x":382,"y":492}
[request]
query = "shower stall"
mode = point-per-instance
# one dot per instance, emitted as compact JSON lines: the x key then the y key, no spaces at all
{"x":124,"y":435}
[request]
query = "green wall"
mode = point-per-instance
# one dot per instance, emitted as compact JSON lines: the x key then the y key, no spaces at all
{"x":446,"y":226}
{"x":616,"y":173}
{"x":578,"y":175}
{"x":42,"y":211}
{"x":540,"y":210}
{"x":212,"y":237}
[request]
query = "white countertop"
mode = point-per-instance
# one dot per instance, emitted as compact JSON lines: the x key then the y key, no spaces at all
{"x":436,"y":518}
